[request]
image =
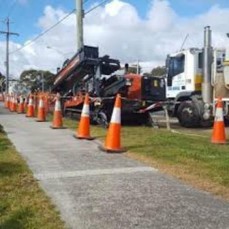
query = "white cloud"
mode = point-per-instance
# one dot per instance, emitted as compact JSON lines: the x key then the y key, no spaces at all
{"x":120,"y":32}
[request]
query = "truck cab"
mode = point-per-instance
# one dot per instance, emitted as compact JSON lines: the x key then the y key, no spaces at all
{"x":184,"y":72}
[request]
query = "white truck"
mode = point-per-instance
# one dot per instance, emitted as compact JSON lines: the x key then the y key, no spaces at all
{"x":195,"y":79}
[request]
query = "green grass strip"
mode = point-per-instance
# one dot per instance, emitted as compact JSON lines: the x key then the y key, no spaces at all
{"x":22,"y":202}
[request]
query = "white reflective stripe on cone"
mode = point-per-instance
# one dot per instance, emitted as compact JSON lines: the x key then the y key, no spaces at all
{"x":41,"y":103}
{"x":219,"y":115}
{"x":30,"y":101}
{"x":85,"y":111}
{"x":57,"y":106}
{"x":116,"y":115}
{"x":21,"y":99}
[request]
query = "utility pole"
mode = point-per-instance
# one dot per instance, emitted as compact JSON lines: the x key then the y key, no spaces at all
{"x":7,"y":33}
{"x":42,"y":82}
{"x":79,"y":17}
{"x":138,"y":67}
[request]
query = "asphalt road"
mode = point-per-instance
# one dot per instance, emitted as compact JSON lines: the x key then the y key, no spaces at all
{"x":96,"y":190}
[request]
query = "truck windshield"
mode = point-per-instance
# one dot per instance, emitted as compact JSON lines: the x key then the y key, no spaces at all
{"x":176,"y":65}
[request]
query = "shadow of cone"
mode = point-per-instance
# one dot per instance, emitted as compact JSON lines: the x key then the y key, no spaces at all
{"x":83,"y":131}
{"x":21,"y":108}
{"x":57,"y":122}
{"x":30,"y":108}
{"x":113,"y":138}
{"x":218,"y":134}
{"x":41,"y":114}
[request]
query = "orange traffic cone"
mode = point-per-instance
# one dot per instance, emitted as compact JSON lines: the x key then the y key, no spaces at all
{"x":14,"y":104}
{"x":21,"y":108}
{"x":218,"y":134}
{"x":9,"y":102}
{"x":57,"y":122}
{"x":84,"y":125}
{"x":41,"y":111}
{"x":6,"y":101}
{"x":46,"y":104}
{"x":113,"y":139}
{"x":30,"y":108}
{"x":25,"y":103}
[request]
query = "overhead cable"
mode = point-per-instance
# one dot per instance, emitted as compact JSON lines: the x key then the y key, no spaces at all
{"x":56,"y":24}
{"x":93,"y":8}
{"x":43,"y":33}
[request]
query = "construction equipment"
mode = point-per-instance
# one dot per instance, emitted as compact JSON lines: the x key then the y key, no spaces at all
{"x":195,"y":79}
{"x":86,"y":72}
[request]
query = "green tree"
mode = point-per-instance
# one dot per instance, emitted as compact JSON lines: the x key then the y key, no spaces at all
{"x":32,"y":79}
{"x":2,"y":82}
{"x":158,"y":71}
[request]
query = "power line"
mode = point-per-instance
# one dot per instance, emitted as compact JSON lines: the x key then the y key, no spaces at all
{"x":56,"y":24}
{"x":43,"y":33}
{"x":97,"y":6}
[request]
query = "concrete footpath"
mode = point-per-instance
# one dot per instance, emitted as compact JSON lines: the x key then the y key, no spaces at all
{"x":96,"y":190}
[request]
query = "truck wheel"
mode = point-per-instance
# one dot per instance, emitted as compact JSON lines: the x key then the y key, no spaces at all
{"x":187,"y":115}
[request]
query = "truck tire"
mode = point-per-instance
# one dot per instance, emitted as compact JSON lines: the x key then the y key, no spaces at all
{"x":188,"y":115}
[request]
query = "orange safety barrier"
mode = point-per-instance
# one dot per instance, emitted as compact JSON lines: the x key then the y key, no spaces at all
{"x":9,"y":102}
{"x":83,"y":131}
{"x":14,"y":104}
{"x":30,"y":108}
{"x":113,"y":138}
{"x":218,"y":134}
{"x":21,"y":108}
{"x":6,"y":101}
{"x":41,"y":111}
{"x":57,"y":116}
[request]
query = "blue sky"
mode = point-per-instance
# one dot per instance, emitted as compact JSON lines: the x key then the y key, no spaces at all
{"x":25,"y":16}
{"x":166,"y":24}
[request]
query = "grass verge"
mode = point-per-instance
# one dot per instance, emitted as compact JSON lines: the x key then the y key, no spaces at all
{"x":22,"y":203}
{"x":190,"y":158}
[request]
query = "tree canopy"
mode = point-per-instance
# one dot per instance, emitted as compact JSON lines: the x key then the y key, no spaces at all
{"x":2,"y":82}
{"x":158,"y":71}
{"x":34,"y":79}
